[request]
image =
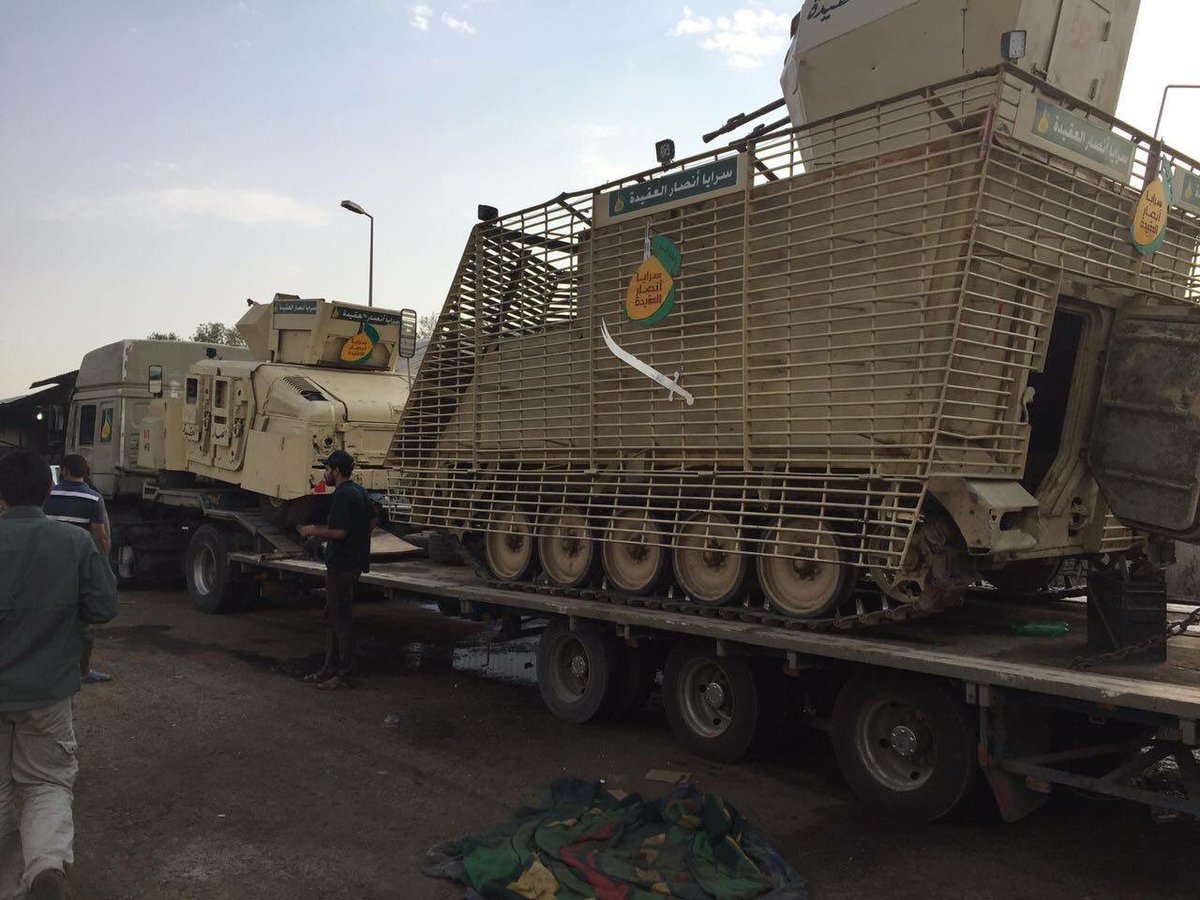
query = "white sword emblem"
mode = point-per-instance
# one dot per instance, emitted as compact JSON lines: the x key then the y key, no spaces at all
{"x":649,"y":371}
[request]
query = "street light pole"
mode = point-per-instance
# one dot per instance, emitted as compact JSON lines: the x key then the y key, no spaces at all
{"x":1163,"y":105}
{"x":355,"y":208}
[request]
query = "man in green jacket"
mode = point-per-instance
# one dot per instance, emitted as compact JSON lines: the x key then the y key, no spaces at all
{"x":53,"y":580}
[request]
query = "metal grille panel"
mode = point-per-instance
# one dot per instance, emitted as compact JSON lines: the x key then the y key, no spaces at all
{"x":861,"y":316}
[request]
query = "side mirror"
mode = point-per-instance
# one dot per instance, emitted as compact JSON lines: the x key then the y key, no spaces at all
{"x":408,"y":334}
{"x":154,"y":381}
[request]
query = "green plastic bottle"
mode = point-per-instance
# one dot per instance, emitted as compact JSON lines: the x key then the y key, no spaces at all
{"x":1041,"y":629}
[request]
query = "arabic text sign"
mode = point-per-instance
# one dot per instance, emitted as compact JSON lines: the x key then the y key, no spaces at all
{"x":1187,"y":190}
{"x":650,"y":294}
{"x":358,"y":349}
{"x":369,"y":316}
{"x":1149,"y":226}
{"x":1083,"y":141}
{"x":295,"y":307}
{"x":667,"y":191}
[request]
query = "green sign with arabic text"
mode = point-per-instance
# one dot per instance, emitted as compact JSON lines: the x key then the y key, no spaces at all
{"x":295,"y":307}
{"x":1064,"y":129}
{"x":1186,"y":191}
{"x":721,"y":175}
{"x":366,"y":316}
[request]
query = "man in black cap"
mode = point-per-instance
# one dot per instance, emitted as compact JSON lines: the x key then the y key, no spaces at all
{"x":347,"y":535}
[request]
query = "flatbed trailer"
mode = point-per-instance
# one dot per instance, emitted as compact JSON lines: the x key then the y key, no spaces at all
{"x":915,"y":710}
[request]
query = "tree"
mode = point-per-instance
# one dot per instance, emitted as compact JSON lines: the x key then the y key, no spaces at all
{"x":217,"y":333}
{"x":425,"y":325}
{"x":162,"y":336}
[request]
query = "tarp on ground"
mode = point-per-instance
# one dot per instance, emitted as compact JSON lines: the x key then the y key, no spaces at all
{"x":582,"y":842}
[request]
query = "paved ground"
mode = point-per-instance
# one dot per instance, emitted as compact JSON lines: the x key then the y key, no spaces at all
{"x":210,"y":771}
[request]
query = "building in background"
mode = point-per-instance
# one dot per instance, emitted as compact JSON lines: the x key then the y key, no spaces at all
{"x":37,"y":419}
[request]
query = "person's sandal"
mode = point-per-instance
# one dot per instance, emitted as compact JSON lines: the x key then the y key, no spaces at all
{"x":318,"y":676}
{"x":333,"y":684}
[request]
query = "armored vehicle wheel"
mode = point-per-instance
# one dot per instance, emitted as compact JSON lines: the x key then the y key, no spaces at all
{"x":709,"y":564}
{"x":566,"y":547}
{"x":1026,"y":576}
{"x":213,"y":586}
{"x":904,"y":743}
{"x":576,"y":671}
{"x":509,"y":546}
{"x":806,"y":588}
{"x":635,"y":553}
{"x":713,"y":703}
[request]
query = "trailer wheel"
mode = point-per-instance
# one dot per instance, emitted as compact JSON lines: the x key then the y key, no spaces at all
{"x":509,"y":546}
{"x":566,"y":548}
{"x":211,"y":582}
{"x":805,"y":588}
{"x":635,"y":553}
{"x":713,"y":703}
{"x":709,"y":563}
{"x":904,"y":744}
{"x":576,"y":671}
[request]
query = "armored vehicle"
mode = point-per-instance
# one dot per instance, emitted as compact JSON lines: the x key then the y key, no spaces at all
{"x":178,"y":432}
{"x":900,"y":343}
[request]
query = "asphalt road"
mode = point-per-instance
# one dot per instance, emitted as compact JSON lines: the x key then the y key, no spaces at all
{"x":210,"y":771}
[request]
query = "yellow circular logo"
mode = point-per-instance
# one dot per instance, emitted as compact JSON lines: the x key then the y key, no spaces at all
{"x":649,"y":296}
{"x":1150,"y":218}
{"x":358,"y":348}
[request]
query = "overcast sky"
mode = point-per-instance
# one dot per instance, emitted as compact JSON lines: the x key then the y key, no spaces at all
{"x":161,"y":161}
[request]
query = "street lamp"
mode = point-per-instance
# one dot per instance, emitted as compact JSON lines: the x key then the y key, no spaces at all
{"x":1163,"y":105}
{"x":355,"y":208}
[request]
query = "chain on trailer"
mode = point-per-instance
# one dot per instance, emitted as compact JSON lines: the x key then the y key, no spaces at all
{"x":1173,"y":629}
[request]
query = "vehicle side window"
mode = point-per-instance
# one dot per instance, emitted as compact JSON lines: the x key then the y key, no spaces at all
{"x":86,"y":435}
{"x":191,"y":391}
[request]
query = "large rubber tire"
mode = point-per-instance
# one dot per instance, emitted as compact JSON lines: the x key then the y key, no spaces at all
{"x":904,"y":743}
{"x":212,"y":584}
{"x":713,"y":703}
{"x":576,"y":672}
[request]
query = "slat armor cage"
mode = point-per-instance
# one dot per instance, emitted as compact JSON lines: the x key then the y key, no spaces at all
{"x":862,"y":315}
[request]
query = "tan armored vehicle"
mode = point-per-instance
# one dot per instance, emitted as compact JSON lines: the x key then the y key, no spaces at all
{"x":178,"y":431}
{"x":114,"y":392}
{"x":907,"y":342}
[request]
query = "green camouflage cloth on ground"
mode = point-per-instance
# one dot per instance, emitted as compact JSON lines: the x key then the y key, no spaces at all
{"x":583,"y":842}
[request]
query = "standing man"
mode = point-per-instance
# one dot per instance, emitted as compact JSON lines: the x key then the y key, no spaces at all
{"x":53,"y":580}
{"x":347,"y":534}
{"x":75,"y":501}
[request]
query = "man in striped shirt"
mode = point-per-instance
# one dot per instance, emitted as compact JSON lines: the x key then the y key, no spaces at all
{"x":75,"y":501}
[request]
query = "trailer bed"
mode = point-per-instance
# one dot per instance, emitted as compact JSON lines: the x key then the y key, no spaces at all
{"x":973,"y":643}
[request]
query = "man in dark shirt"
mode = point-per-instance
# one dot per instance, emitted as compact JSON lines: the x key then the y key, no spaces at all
{"x":75,"y":501}
{"x":53,"y":580}
{"x":347,"y":555}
